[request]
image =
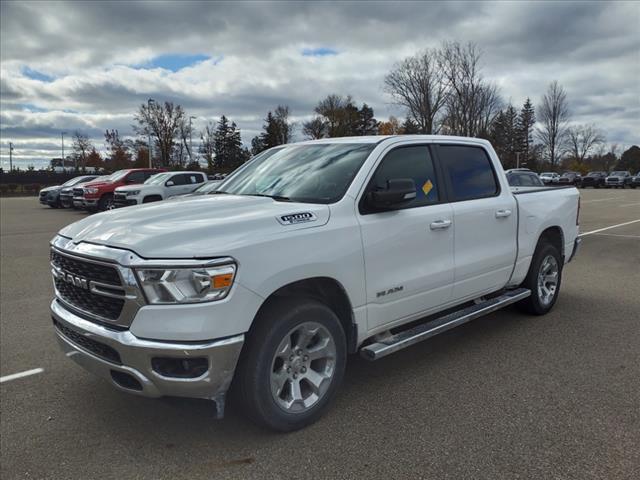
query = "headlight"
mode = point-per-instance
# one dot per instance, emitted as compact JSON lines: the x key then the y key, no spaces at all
{"x":186,"y":285}
{"x":90,"y":190}
{"x":133,"y":193}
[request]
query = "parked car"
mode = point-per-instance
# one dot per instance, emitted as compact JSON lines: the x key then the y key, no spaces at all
{"x":523,"y":178}
{"x":158,"y":187}
{"x":549,"y":178}
{"x":635,"y":181}
{"x":593,"y":179}
{"x":570,"y":178}
{"x":43,"y":195}
{"x":66,"y":192}
{"x":324,"y":248}
{"x":204,"y":189}
{"x":98,"y":195}
{"x":618,"y":179}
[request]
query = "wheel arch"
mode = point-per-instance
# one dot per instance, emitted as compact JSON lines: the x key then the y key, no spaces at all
{"x":555,"y":236}
{"x":326,"y":290}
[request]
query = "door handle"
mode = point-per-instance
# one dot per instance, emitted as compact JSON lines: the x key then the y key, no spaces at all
{"x":440,"y":224}
{"x":503,"y":213}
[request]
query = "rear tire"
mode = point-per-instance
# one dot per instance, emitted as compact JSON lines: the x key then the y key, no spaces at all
{"x":543,"y":279}
{"x":292,"y":364}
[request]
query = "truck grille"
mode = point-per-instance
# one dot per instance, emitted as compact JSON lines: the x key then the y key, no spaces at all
{"x":88,"y":270}
{"x":81,"y":296}
{"x":99,"y":349}
{"x":78,"y":192}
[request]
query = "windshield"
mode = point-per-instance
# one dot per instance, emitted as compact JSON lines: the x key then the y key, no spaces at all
{"x":593,"y":174}
{"x":115,"y":176}
{"x":621,"y":174}
{"x":208,"y":187}
{"x":313,"y":173}
{"x":157,"y":179}
{"x":76,"y":180}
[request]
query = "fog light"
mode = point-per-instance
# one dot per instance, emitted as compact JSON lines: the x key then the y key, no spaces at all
{"x":180,"y":367}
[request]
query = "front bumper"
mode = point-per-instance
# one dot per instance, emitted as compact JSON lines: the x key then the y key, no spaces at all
{"x":119,"y":356}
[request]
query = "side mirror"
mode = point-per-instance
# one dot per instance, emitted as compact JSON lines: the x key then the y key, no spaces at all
{"x":169,"y":183}
{"x":399,"y":191}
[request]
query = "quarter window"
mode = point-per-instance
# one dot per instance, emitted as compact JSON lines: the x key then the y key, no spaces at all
{"x":469,"y":172}
{"x":409,"y":162}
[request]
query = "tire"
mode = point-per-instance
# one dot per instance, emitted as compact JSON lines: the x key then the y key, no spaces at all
{"x":105,"y":202}
{"x":266,"y":376}
{"x":538,"y":303}
{"x":152,"y":198}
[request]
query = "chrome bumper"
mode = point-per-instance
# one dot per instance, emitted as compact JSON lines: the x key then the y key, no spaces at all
{"x":136,"y":355}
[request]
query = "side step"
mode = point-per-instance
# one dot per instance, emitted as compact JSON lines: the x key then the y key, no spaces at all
{"x":421,"y":332}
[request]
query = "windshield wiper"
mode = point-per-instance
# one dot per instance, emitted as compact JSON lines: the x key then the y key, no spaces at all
{"x":277,"y":198}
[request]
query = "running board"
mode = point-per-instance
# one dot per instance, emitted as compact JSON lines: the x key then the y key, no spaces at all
{"x":423,"y":331}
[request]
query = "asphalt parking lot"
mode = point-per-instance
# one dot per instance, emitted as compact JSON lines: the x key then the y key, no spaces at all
{"x":506,"y":396}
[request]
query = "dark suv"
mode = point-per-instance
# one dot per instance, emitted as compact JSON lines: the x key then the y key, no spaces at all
{"x":569,"y":178}
{"x":593,"y":179}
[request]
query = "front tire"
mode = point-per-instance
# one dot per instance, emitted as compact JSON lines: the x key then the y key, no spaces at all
{"x":292,"y":364}
{"x":105,"y":202}
{"x":543,"y":279}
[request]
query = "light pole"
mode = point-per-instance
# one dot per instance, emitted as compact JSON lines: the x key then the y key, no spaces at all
{"x":10,"y":156}
{"x":62,"y":137}
{"x":191,"y":139}
{"x":517,"y":159}
{"x":149,"y":102}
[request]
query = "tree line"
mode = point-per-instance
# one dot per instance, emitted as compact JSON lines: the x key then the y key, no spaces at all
{"x":440,"y":90}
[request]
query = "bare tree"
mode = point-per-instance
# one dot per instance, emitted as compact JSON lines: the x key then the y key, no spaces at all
{"x":553,"y":116}
{"x":582,"y":140}
{"x":418,"y":84}
{"x":285,"y":127}
{"x":162,"y":121}
{"x":314,"y":128}
{"x":340,"y":115}
{"x":207,"y":147}
{"x":81,"y":147}
{"x":471,"y":102}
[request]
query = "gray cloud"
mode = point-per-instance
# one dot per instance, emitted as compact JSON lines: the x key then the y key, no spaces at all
{"x":90,"y":48}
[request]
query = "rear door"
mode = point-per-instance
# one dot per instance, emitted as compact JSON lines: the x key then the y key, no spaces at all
{"x":409,"y":250}
{"x":485,"y":218}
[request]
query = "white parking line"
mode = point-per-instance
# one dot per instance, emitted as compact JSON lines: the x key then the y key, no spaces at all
{"x":616,"y":235}
{"x":608,"y":228}
{"x":15,"y":376}
{"x":599,"y":200}
{"x":629,"y":204}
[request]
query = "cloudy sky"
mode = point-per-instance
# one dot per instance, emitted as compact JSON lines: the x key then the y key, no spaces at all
{"x":86,"y":66}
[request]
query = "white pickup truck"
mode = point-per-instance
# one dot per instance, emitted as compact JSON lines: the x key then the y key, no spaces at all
{"x":305,"y":254}
{"x":158,"y":187}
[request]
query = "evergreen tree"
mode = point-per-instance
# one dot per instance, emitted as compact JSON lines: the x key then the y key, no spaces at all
{"x":227,"y":145}
{"x":409,"y":127}
{"x":367,"y":124}
{"x":526,"y":121}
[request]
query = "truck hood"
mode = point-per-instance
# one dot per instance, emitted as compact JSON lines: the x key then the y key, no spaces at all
{"x":133,"y":188}
{"x":206,"y":226}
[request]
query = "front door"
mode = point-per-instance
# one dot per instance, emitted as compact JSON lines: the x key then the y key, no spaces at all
{"x":408,"y":252}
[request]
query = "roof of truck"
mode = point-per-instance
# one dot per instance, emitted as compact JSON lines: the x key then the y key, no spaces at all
{"x":381,"y":138}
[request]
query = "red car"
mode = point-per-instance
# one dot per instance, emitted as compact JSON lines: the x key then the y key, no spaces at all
{"x":98,"y":195}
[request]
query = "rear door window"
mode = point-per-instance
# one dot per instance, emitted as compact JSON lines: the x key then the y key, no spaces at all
{"x":469,"y":172}
{"x":136,"y":177}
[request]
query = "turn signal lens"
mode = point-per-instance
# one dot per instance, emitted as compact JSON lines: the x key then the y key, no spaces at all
{"x":222,"y":281}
